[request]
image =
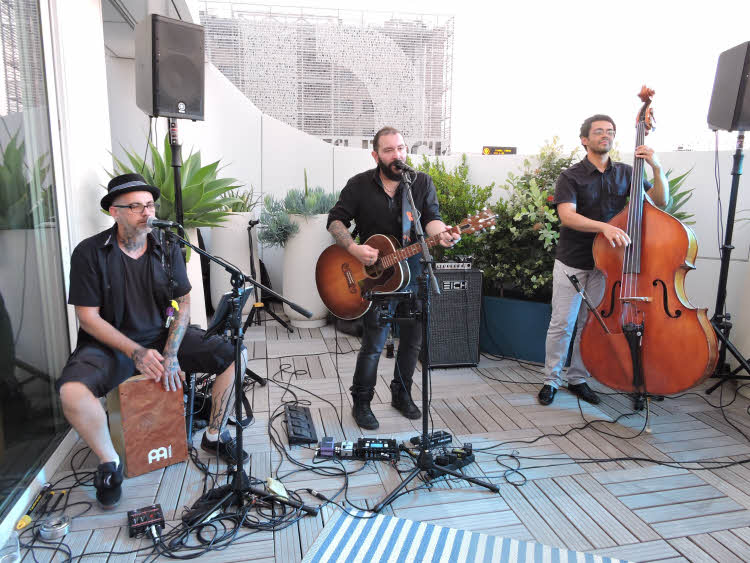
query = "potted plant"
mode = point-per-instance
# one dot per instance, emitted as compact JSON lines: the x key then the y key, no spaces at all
{"x":298,"y":224}
{"x":517,"y":258}
{"x":231,"y":242}
{"x":206,"y":202}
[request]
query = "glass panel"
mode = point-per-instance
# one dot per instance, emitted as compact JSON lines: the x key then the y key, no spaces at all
{"x":34,"y":342}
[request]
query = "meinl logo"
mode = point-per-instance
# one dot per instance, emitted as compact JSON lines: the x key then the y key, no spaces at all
{"x":159,"y":453}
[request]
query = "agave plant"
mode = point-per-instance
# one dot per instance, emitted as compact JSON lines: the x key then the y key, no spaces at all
{"x":678,"y":197}
{"x":276,"y":225}
{"x":206,"y":199}
{"x":19,"y":208}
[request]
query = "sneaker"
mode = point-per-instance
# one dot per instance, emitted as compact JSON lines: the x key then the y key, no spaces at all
{"x":584,"y":392}
{"x":225,"y":446}
{"x":108,"y":481}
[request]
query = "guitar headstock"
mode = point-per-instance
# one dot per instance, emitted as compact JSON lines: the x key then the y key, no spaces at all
{"x":478,"y":222}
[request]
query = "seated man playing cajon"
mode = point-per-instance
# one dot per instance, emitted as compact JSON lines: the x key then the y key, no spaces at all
{"x":133,"y":306}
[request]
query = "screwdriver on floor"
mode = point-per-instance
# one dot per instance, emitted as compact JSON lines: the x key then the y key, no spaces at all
{"x":26,"y":518}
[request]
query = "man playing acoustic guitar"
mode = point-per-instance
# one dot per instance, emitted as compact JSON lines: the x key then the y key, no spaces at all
{"x":375,"y":201}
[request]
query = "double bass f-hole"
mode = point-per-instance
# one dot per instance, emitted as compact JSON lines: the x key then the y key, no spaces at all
{"x":677,"y":312}
{"x":612,"y":298}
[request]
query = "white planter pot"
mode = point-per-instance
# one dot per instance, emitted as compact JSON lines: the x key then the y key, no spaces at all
{"x":195,"y":276}
{"x":230,"y":243}
{"x":300,"y":256}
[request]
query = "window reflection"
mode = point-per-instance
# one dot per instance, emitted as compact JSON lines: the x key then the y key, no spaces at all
{"x":33,"y":326}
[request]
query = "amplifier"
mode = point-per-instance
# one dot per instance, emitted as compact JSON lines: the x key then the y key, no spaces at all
{"x":454,"y":318}
{"x":453,"y":265}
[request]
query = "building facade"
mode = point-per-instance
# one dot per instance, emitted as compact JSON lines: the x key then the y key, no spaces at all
{"x":336,"y":74}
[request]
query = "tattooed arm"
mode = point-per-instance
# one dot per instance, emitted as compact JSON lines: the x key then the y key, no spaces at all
{"x":362,"y":252}
{"x":173,"y":376}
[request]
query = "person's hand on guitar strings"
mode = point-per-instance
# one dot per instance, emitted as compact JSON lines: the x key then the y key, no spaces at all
{"x":450,"y":236}
{"x":364,"y":253}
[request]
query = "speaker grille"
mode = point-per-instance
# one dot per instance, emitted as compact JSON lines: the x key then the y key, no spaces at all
{"x":455,"y":317}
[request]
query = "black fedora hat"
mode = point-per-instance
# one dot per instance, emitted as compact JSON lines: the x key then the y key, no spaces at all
{"x":125,"y":183}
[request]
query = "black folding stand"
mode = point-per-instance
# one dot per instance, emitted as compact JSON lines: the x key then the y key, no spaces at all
{"x":423,"y":459}
{"x":254,"y":315}
{"x":721,"y":321}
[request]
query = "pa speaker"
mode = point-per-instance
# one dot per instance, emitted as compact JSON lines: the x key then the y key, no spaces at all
{"x":169,"y":71}
{"x":730,"y":100}
{"x":454,"y":318}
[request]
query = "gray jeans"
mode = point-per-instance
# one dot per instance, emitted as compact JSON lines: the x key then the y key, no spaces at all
{"x":568,"y":311}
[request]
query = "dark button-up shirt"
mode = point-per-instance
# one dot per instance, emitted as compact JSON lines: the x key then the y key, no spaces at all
{"x":598,"y":196}
{"x":364,"y":201}
{"x":97,"y":277}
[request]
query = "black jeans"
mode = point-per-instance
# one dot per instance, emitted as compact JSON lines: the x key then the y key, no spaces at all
{"x":373,"y":340}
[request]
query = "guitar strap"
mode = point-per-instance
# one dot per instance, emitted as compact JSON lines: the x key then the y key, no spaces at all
{"x":407,"y":217}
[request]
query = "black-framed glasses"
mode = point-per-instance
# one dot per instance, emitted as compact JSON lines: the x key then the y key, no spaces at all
{"x":137,"y":207}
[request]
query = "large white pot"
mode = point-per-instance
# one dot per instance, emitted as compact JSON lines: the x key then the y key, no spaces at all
{"x":195,"y":276}
{"x":300,"y":256}
{"x":230,"y":242}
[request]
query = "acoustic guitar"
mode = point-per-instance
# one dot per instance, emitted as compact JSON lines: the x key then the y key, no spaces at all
{"x":343,"y":281}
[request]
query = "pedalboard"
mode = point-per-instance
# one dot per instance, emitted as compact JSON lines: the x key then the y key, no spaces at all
{"x":435,"y":439}
{"x":381,"y":449}
{"x":142,"y":519}
{"x":453,"y":459}
{"x":299,"y":425}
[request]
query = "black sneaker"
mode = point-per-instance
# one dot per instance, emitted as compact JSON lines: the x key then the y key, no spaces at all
{"x":584,"y":392}
{"x":547,"y":394}
{"x":108,"y":481}
{"x":226,"y":446}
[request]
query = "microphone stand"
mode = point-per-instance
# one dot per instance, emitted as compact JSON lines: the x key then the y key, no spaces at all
{"x":424,"y":460}
{"x":241,"y":483}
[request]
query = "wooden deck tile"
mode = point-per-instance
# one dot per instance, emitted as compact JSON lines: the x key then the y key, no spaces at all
{"x":691,"y":551}
{"x":712,"y":523}
{"x":656,"y":550}
{"x":530,"y":518}
{"x":733,"y":543}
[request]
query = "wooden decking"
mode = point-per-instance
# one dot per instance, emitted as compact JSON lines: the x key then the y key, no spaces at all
{"x":589,"y":490}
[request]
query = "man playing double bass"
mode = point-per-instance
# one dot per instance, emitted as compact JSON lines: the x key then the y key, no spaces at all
{"x":587,"y":195}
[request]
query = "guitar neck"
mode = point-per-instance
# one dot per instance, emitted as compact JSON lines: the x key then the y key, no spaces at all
{"x":403,"y":253}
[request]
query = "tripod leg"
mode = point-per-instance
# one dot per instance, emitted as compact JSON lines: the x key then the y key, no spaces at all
{"x":279,"y":320}
{"x":479,"y":482}
{"x":744,"y":364}
{"x":395,"y":492}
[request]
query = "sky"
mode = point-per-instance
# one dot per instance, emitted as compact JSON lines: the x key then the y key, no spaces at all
{"x":525,"y":71}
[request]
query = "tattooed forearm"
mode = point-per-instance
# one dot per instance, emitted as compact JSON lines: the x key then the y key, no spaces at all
{"x":340,"y":234}
{"x":137,"y":356}
{"x":220,"y":409}
{"x":178,"y":327}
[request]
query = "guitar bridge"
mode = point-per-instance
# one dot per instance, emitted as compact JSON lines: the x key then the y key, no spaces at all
{"x":349,"y":278}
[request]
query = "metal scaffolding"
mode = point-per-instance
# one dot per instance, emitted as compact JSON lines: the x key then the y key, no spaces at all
{"x":339,"y":74}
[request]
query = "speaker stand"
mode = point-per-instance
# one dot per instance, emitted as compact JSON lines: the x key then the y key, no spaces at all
{"x":176,"y":149}
{"x":721,"y":321}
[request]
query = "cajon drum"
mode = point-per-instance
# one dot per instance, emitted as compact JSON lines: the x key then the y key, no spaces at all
{"x":147,"y":424}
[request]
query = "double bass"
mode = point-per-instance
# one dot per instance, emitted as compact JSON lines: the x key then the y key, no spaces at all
{"x":655,"y":342}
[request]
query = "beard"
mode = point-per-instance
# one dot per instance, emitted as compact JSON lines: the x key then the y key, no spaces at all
{"x":389,"y":172}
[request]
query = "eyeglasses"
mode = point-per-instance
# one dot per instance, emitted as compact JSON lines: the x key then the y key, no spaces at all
{"x":137,"y":207}
{"x":601,"y":132}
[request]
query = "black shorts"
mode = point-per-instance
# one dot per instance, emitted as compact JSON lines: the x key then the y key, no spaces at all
{"x":101,"y":369}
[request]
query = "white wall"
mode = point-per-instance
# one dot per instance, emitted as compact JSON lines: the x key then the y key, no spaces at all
{"x":272,"y":156}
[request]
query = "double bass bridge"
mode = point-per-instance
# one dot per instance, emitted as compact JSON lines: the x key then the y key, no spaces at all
{"x":635,"y":299}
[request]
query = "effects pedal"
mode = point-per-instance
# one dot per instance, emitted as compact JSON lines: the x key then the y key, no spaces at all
{"x":146,"y":518}
{"x":326,"y":448}
{"x":299,"y":425}
{"x":377,"y":449}
{"x":435,"y":439}
{"x":453,"y":459}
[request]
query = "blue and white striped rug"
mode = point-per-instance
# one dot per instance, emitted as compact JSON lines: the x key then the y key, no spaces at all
{"x":372,"y":538}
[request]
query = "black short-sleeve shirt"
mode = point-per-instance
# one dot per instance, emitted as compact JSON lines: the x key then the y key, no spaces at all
{"x":598,"y":196}
{"x":97,"y":276}
{"x":364,"y":201}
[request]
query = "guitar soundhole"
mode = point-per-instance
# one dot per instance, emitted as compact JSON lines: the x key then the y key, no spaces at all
{"x":375,"y":271}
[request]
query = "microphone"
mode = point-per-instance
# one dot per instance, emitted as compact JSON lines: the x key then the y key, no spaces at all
{"x":401,"y":165}
{"x":160,"y":223}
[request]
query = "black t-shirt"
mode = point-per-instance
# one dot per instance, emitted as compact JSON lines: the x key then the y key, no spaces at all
{"x":364,"y":201}
{"x":143,"y":319}
{"x":598,"y":196}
